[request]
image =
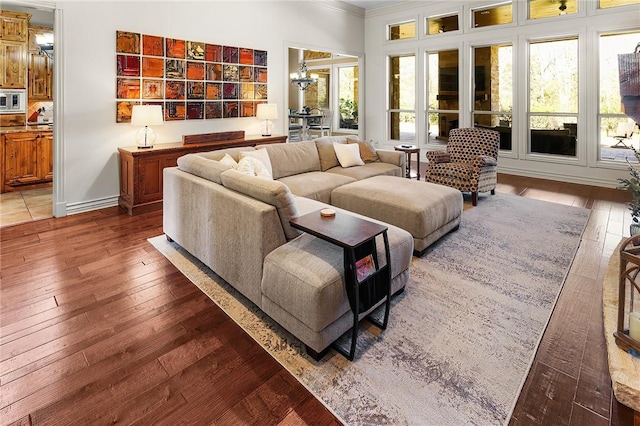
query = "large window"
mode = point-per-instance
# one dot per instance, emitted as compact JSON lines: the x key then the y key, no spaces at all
{"x":493,"y":90}
{"x":402,"y":98}
{"x":553,"y":97}
{"x":348,"y":96}
{"x":443,"y":95}
{"x":618,"y":132}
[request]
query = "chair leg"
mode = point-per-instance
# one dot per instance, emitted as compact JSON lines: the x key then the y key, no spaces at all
{"x":474,"y":198}
{"x":493,"y":192}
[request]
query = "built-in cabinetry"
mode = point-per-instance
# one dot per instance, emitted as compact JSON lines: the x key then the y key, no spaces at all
{"x":13,"y":46}
{"x":141,"y":169}
{"x":40,"y":67}
{"x":27,"y":159}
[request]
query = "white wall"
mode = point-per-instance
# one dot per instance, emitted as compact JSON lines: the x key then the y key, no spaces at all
{"x":92,"y":136}
{"x":587,"y":25}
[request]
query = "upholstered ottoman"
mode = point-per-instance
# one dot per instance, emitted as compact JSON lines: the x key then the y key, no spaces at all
{"x":426,"y":210}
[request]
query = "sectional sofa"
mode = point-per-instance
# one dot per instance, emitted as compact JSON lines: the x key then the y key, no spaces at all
{"x":238,"y":225}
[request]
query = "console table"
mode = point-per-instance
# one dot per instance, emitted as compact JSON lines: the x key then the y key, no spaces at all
{"x":141,"y":169}
{"x":357,"y":238}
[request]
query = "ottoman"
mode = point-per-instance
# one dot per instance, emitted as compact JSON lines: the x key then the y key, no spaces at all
{"x":426,"y":210}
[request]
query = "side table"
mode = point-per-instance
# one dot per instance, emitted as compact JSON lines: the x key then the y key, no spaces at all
{"x":366,"y":282}
{"x":408,"y":150}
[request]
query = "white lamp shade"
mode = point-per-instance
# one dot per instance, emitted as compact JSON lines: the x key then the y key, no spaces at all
{"x":267,"y":111}
{"x":146,"y":115}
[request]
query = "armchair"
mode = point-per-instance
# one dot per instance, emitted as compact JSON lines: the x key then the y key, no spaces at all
{"x":469,"y":163}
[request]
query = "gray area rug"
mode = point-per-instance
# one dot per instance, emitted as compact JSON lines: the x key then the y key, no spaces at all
{"x":462,"y":336}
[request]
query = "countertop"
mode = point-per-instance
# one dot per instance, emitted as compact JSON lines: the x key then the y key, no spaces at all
{"x":27,"y":128}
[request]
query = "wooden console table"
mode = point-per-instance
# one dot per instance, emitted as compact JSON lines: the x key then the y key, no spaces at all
{"x":141,"y":169}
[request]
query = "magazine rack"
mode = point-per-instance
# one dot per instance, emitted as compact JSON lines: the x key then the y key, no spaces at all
{"x":367,"y":283}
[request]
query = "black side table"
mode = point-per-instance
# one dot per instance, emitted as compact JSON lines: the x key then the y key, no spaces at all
{"x":408,"y":150}
{"x":357,"y":237}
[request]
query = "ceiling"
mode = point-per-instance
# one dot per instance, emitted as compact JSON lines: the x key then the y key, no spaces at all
{"x":372,"y":4}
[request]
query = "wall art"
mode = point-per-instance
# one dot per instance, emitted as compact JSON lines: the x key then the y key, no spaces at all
{"x":190,"y":80}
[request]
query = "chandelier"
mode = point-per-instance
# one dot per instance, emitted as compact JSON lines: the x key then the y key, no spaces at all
{"x":303,"y":78}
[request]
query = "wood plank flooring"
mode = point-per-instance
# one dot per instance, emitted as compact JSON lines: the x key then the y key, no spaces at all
{"x":97,"y":327}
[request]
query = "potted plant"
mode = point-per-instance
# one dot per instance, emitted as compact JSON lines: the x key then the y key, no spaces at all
{"x":348,"y":111}
{"x":632,"y":185}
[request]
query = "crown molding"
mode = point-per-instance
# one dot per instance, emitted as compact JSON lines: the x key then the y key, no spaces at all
{"x":47,"y":5}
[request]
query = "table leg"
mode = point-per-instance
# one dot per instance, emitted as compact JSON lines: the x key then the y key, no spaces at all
{"x":418,"y":165}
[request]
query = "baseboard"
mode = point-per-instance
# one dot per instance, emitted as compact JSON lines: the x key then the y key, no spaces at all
{"x":558,"y":177}
{"x":87,"y":206}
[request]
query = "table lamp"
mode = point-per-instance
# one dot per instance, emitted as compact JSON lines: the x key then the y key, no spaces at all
{"x":267,"y":112}
{"x":146,"y":115}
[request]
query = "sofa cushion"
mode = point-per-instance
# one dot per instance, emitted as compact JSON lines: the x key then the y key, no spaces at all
{"x":367,"y":150}
{"x":202,"y":167}
{"x":368,"y":170}
{"x":326,"y":153}
{"x":260,"y":154}
{"x":316,"y":185}
{"x":229,"y":161}
{"x":253,"y":167}
{"x":219,"y":154}
{"x":289,"y":159}
{"x":348,"y":155}
{"x":268,"y":191}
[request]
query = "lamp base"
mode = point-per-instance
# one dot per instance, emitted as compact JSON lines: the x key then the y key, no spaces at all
{"x":145,"y":137}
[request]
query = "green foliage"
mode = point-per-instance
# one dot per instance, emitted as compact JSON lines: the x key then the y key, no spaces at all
{"x":348,"y":109}
{"x":632,"y":184}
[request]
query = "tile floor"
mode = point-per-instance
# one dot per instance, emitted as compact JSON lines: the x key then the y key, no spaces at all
{"x":25,"y":206}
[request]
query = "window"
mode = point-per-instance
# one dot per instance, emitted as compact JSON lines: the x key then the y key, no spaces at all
{"x":443,"y":102}
{"x":402,"y":98}
{"x":544,"y":9}
{"x":493,"y":15}
{"x":402,"y":31}
{"x":493,"y":90}
{"x":605,"y":4}
{"x":348,"y":96}
{"x":442,"y":24}
{"x":553,"y":97}
{"x":617,"y":131}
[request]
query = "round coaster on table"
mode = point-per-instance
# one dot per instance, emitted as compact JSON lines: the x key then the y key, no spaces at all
{"x":327,"y":213}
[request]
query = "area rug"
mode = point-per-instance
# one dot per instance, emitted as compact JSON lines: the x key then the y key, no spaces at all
{"x":462,"y":336}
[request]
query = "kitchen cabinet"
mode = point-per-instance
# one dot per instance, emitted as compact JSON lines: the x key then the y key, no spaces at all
{"x":40,"y":68}
{"x":28,"y":159}
{"x":13,"y":49}
{"x":13,"y":65}
{"x":14,"y":26}
{"x":40,"y":77}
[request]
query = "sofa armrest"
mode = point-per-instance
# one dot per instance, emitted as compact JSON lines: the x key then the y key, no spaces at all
{"x":391,"y":157}
{"x":438,"y":157}
{"x":484,"y":161}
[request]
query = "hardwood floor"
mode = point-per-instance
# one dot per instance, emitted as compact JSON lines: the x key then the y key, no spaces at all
{"x":97,"y":327}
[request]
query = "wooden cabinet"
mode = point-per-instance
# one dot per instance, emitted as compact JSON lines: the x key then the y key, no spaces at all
{"x":13,"y":26}
{"x":40,"y":77}
{"x":40,"y":68}
{"x":13,"y":49}
{"x":13,"y":65}
{"x":27,"y":159}
{"x":141,"y":169}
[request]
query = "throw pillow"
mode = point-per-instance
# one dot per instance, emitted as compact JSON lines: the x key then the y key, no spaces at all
{"x":348,"y":154}
{"x":253,"y":167}
{"x":367,"y":150}
{"x":260,"y":154}
{"x":229,"y":161}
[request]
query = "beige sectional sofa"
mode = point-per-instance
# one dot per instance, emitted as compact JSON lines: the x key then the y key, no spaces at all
{"x":238,"y":225}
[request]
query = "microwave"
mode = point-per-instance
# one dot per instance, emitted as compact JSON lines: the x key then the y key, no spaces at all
{"x":13,"y":101}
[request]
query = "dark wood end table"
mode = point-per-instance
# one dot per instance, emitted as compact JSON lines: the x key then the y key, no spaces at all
{"x":408,"y":150}
{"x":357,"y":238}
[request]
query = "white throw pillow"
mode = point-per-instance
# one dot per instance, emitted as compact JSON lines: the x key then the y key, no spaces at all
{"x":260,"y":154}
{"x":348,"y":154}
{"x":229,"y":161}
{"x":253,"y":167}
